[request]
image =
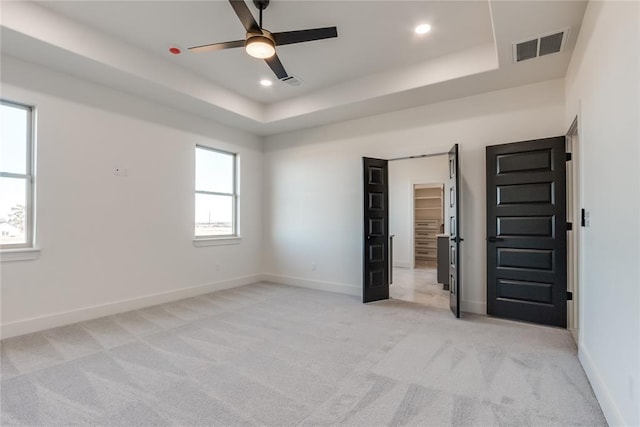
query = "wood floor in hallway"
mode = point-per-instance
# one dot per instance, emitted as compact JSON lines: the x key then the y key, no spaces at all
{"x":418,"y":285}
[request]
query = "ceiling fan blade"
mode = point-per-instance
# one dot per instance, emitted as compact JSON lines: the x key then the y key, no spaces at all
{"x":217,"y":46}
{"x":247,"y":19}
{"x":290,"y":37}
{"x":276,"y":66}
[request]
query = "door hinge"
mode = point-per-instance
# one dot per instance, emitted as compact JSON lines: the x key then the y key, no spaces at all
{"x":569,"y":226}
{"x":569,"y":296}
{"x":568,"y":158}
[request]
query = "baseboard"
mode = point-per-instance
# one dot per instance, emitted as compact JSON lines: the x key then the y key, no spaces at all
{"x":35,"y":324}
{"x":402,"y":264}
{"x":340,"y":288}
{"x":574,"y":334}
{"x":600,"y":389}
{"x":477,"y":307}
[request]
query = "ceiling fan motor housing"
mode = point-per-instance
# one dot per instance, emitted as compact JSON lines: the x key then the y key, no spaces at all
{"x":264,"y":36}
{"x":261,"y":4}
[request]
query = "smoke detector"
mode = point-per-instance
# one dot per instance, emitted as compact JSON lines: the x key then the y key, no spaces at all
{"x":542,"y":45}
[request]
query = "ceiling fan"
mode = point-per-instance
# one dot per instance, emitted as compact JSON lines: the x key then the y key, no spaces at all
{"x":261,"y":43}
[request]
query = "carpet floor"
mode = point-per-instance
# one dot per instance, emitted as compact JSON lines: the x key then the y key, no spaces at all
{"x":275,"y":355}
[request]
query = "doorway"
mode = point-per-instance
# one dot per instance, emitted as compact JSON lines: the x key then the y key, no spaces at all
{"x":377,"y":272}
{"x":417,"y":213}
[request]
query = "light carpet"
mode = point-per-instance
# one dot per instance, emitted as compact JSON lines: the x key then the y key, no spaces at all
{"x":275,"y":355}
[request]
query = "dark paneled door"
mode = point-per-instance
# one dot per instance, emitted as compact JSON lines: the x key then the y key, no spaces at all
{"x":375,"y":281}
{"x":453,"y":199}
{"x":526,"y":231}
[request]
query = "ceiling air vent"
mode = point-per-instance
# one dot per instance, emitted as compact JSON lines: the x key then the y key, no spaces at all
{"x":291,"y":80}
{"x":540,"y":46}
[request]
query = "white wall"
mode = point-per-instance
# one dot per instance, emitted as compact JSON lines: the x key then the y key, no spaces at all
{"x":113,"y":243}
{"x":603,"y":90}
{"x":403,"y":174}
{"x":313,"y":181}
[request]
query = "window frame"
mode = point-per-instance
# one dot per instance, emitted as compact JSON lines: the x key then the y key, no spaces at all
{"x":29,"y":178}
{"x":235,"y":196}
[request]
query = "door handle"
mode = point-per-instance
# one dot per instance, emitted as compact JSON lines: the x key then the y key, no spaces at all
{"x":391,"y":258}
{"x":457,"y":239}
{"x":494,"y":239}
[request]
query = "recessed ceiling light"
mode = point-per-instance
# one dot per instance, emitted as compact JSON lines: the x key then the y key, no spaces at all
{"x":265,"y":82}
{"x":423,"y":29}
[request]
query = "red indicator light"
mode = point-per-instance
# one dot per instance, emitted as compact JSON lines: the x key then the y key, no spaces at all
{"x":174,"y":50}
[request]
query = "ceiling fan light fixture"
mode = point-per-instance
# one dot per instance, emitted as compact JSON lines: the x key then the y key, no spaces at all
{"x":260,"y":47}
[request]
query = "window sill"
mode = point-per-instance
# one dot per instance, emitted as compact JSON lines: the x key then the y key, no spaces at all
{"x":216,"y":241}
{"x":22,"y":254}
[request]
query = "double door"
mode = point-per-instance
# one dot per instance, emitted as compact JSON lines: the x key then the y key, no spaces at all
{"x":376,"y":254}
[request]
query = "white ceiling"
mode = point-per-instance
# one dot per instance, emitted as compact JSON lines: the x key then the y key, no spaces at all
{"x":376,"y":64}
{"x":373,"y":36}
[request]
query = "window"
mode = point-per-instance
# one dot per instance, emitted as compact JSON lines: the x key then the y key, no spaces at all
{"x":16,"y":176}
{"x":216,"y":194}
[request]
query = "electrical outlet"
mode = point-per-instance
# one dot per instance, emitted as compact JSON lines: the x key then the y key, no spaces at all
{"x":120,"y":172}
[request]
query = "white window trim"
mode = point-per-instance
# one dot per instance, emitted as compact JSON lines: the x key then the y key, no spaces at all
{"x":21,"y":254}
{"x":216,"y":241}
{"x":11,"y":250}
{"x":226,"y":239}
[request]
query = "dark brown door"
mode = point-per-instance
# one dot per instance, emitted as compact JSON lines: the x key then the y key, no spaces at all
{"x":375,"y":283}
{"x":526,"y":231}
{"x":453,"y":199}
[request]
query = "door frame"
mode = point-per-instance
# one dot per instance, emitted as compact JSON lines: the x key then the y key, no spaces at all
{"x":575,"y":246}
